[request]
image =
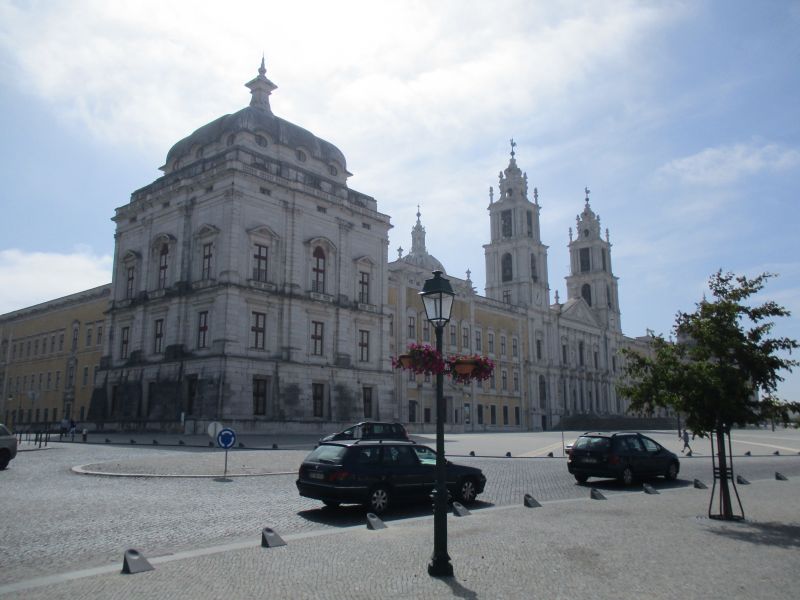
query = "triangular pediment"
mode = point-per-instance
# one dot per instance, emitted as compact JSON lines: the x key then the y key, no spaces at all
{"x":577,"y":310}
{"x":207,"y":230}
{"x":262,"y":231}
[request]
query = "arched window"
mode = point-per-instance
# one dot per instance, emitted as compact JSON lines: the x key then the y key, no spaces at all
{"x":163,"y":263}
{"x":318,"y":284}
{"x":505,"y":268}
{"x":586,"y":293}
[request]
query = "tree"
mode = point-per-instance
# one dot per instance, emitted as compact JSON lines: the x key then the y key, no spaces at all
{"x":723,"y":370}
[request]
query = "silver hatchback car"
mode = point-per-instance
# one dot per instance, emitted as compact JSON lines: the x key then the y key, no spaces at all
{"x":8,"y":446}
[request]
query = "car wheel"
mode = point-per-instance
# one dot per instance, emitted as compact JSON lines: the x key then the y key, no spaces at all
{"x":672,"y":472}
{"x":467,"y":490}
{"x":627,"y":476}
{"x":378,"y":500}
{"x":331,"y":503}
{"x":581,"y":478}
{"x":5,"y":458}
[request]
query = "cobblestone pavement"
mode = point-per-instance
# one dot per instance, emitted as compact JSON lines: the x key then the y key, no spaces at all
{"x":53,"y":520}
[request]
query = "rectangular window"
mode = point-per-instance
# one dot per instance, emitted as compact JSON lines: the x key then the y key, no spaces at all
{"x":516,"y":381}
{"x":99,"y":334}
{"x":317,"y":339}
{"x":60,"y":342}
{"x":131,"y":273}
{"x":505,"y":415}
{"x":505,"y":223}
{"x":318,"y":397}
{"x":70,"y":377}
{"x":564,"y":353}
{"x":88,"y":337}
{"x":158,"y":336}
{"x":493,"y":414}
{"x":363,"y":345}
{"x":259,"y":330}
{"x":58,"y":380}
{"x":492,"y":380}
{"x":480,"y":414}
{"x":596,"y":361}
{"x":504,"y":380}
{"x":426,"y":330}
{"x":49,"y":380}
{"x":529,"y":219}
{"x":36,"y":347}
{"x":75,"y":338}
{"x":412,"y":327}
{"x":584,"y":258}
{"x":465,"y":337}
{"x":478,"y":342}
{"x":453,"y":340}
{"x":363,"y":288}
{"x":427,"y":414}
{"x":366,"y":394}
{"x":202,"y":329}
{"x":538,"y":349}
{"x":502,"y":345}
{"x":514,"y":347}
{"x":507,"y":296}
{"x":603,"y":257}
{"x":516,"y":415}
{"x":260,"y":395}
{"x":580,"y":353}
{"x":163,"y":261}
{"x":123,"y":344}
{"x":85,"y":381}
{"x":491,"y":343}
{"x":260,"y":263}
{"x":206,"y":270}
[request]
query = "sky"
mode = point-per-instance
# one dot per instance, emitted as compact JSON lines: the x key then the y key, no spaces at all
{"x":683,"y":119}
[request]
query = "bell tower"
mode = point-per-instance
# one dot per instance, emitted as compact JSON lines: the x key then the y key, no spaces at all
{"x":516,"y":259}
{"x":591,"y":276}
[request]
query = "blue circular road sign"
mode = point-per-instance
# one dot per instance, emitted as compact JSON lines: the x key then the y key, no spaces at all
{"x":226,"y":438}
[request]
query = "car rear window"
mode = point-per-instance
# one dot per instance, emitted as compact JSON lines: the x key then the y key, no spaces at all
{"x":587,"y":442}
{"x":327,"y":454}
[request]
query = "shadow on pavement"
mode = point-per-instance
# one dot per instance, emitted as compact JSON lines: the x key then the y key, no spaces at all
{"x":781,"y":535}
{"x":617,"y":486}
{"x":349,"y":515}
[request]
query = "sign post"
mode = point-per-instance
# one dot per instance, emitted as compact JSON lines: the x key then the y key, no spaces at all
{"x":226,"y":438}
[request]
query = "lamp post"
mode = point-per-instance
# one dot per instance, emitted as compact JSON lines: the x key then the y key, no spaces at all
{"x":437,"y":297}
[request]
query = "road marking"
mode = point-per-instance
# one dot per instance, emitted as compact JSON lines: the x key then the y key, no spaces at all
{"x":736,"y":441}
{"x":544,"y":450}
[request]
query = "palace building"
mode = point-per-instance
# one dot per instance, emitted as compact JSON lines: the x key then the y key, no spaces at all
{"x":252,"y":286}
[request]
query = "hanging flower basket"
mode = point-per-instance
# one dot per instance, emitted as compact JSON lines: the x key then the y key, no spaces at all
{"x":466,"y":368}
{"x":421,"y":359}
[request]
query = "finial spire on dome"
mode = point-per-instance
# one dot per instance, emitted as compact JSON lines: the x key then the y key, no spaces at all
{"x":261,"y":88}
{"x":588,"y":191}
{"x":418,"y":213}
{"x":513,"y":145}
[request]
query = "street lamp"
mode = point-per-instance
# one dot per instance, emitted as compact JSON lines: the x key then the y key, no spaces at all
{"x":437,"y":297}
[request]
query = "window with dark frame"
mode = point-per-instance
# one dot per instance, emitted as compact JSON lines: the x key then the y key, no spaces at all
{"x":123,"y":345}
{"x":585,"y":262}
{"x":163,"y":259}
{"x":202,"y":329}
{"x":478,"y":344}
{"x":506,"y":268}
{"x":453,"y":335}
{"x":129,"y":282}
{"x":504,"y":380}
{"x":363,"y":287}
{"x":318,"y":398}
{"x":490,"y":341}
{"x":206,"y":270}
{"x":514,"y":347}
{"x":99,"y":334}
{"x":507,"y":296}
{"x":318,"y":284}
{"x":534,"y":273}
{"x":158,"y":336}
{"x":538,"y":349}
{"x":88,"y":339}
{"x":529,"y":219}
{"x":502,"y":345}
{"x":366,"y":394}
{"x":412,"y":327}
{"x":426,"y":330}
{"x":260,"y":263}
{"x":465,"y":336}
{"x":493,"y":414}
{"x":260,"y":395}
{"x":317,"y":337}
{"x":259,"y":329}
{"x":505,"y":415}
{"x":363,"y":345}
{"x":505,"y":223}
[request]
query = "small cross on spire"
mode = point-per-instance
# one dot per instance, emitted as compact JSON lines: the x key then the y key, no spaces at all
{"x":513,"y":145}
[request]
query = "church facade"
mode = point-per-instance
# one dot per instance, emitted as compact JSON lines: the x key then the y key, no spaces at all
{"x":252,"y":286}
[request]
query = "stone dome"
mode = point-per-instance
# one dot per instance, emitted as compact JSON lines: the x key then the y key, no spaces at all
{"x":256,"y":119}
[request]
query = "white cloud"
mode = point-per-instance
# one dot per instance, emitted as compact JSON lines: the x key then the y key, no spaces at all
{"x":725,"y":165}
{"x":28,"y":278}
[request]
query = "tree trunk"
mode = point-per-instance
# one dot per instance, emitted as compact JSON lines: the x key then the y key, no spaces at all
{"x":724,"y":490}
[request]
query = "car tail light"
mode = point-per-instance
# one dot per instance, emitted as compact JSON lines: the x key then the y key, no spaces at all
{"x":338,"y":476}
{"x":613,"y":459}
